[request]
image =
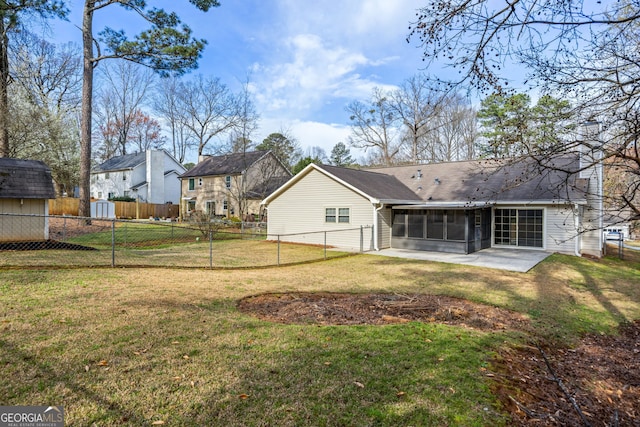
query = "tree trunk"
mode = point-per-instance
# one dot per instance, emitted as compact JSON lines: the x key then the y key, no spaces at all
{"x":4,"y":84}
{"x":87,"y":97}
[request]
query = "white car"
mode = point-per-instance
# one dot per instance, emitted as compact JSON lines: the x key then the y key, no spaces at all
{"x":613,"y":235}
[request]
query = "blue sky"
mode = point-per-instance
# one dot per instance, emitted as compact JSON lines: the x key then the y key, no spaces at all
{"x":306,"y":59}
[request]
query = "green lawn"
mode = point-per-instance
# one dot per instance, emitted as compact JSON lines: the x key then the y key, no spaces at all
{"x":138,"y":346}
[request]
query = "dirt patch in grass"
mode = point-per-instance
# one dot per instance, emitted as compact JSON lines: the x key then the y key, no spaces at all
{"x":374,"y":309}
{"x":595,"y":383}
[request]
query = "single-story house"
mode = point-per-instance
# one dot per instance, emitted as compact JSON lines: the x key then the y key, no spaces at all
{"x":457,"y":207}
{"x":150,"y":177}
{"x":25,"y":189}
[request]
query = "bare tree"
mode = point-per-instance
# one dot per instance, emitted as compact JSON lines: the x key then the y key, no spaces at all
{"x":588,"y":52}
{"x":145,"y":132}
{"x":247,"y":123}
{"x":374,"y":126}
{"x":455,"y":129}
{"x":45,"y":102}
{"x":166,"y":104}
{"x":416,"y":103}
{"x":208,"y":109}
{"x":124,"y":88}
{"x":12,"y":16}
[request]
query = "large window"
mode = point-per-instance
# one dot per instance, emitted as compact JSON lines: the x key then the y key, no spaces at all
{"x":519,"y":227}
{"x":192,"y":184}
{"x":227,"y":181}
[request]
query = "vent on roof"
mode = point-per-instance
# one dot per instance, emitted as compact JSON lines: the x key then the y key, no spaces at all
{"x":419,"y":174}
{"x":437,"y":181}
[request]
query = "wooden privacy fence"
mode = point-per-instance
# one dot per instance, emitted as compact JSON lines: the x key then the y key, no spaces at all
{"x":70,"y":205}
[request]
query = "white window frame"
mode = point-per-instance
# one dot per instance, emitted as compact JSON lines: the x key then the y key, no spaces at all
{"x":338,"y":214}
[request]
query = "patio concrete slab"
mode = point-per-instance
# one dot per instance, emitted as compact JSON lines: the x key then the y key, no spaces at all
{"x":520,"y":260}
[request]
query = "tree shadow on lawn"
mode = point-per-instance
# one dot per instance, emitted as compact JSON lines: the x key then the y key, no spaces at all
{"x":410,"y":374}
{"x":44,"y":375}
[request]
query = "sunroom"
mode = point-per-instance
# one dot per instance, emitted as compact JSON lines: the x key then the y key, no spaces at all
{"x":464,"y":229}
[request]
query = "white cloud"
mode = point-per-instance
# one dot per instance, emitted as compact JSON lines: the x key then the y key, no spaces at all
{"x":327,"y":53}
{"x":311,"y":134}
{"x":311,"y":73}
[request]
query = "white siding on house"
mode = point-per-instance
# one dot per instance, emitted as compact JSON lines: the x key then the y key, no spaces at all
{"x":384,"y":228}
{"x":561,"y":233}
{"x":301,"y":209}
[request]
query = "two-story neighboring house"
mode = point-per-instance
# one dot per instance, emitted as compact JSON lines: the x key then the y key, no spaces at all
{"x":150,"y":177}
{"x":232,"y":184}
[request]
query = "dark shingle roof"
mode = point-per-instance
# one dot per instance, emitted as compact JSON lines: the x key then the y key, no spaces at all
{"x":128,"y":161}
{"x":379,"y":185}
{"x":265,"y":188}
{"x":25,"y":179}
{"x":485,"y":181}
{"x":227,"y":164}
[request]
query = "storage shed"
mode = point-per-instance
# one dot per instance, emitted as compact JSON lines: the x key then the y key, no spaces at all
{"x":25,"y":188}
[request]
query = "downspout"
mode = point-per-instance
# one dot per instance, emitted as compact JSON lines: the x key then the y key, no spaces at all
{"x":576,"y":222}
{"x":376,"y":227}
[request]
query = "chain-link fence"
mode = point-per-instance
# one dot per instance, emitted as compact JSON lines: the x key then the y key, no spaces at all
{"x":65,"y":241}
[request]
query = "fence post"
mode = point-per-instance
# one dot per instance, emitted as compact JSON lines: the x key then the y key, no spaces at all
{"x":325,"y":245}
{"x":210,"y":248}
{"x":113,"y":242}
{"x":361,"y":239}
{"x":278,"y":250}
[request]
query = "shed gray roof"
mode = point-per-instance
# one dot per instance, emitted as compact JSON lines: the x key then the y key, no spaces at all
{"x":128,"y":161}
{"x":25,"y":179}
{"x":227,"y":164}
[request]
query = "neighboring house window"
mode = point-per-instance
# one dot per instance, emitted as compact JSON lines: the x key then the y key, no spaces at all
{"x":519,"y":227}
{"x":111,"y":196}
{"x":191,"y":205}
{"x":227,"y":181}
{"x":99,"y":194}
{"x":224,"y":206}
{"x":192,"y":184}
{"x":106,"y":175}
{"x":199,"y":182}
{"x":126,"y":193}
{"x":211,"y":207}
{"x":330,"y":215}
{"x":124,"y":176}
